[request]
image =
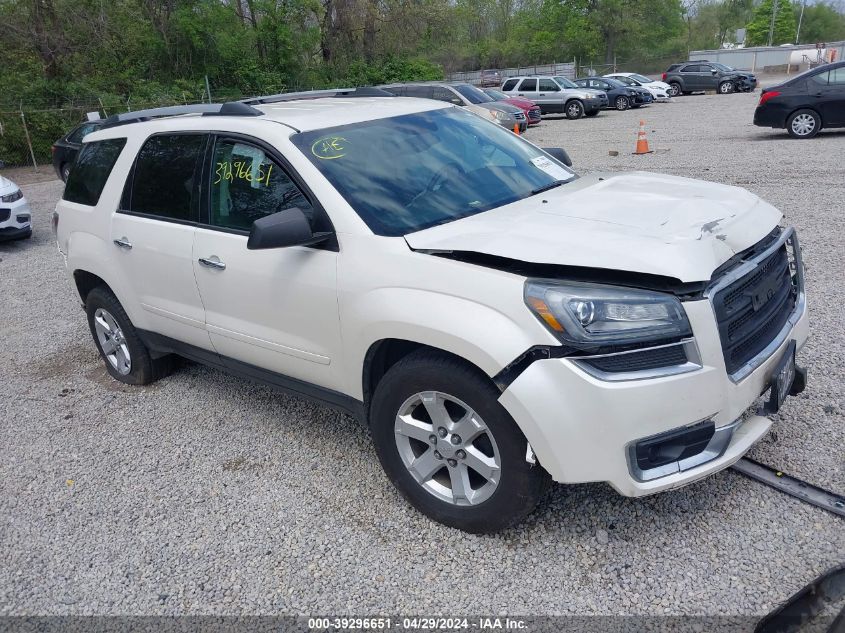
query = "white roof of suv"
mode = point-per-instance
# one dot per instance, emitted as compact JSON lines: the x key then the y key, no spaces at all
{"x":301,"y":115}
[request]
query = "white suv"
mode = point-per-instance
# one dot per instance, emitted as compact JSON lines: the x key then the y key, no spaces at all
{"x":495,"y":319}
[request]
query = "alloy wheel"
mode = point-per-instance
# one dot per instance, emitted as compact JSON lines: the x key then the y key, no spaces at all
{"x":112,"y":341}
{"x":447,"y":448}
{"x":803,"y":125}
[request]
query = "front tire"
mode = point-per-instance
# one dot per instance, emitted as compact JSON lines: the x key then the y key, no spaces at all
{"x":726,"y":87}
{"x":804,"y":124}
{"x":622,"y":103}
{"x":574,"y":110}
{"x":126,"y":357}
{"x":450,"y":448}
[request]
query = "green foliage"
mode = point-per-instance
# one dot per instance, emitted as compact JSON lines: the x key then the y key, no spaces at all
{"x":821,"y":23}
{"x":758,"y":28}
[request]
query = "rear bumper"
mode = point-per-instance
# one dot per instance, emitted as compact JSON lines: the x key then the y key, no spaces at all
{"x":582,"y":428}
{"x":770,"y":115}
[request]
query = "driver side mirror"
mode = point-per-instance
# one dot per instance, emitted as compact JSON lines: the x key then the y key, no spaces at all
{"x":714,"y":71}
{"x":285,"y":228}
{"x":560,"y":154}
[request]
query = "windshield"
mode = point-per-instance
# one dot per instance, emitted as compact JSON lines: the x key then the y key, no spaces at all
{"x":641,"y":78}
{"x":565,"y":83}
{"x":498,"y":96}
{"x":472,"y":94}
{"x":407,"y":173}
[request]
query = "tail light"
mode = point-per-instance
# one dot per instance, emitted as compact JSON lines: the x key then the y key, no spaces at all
{"x":766,"y":96}
{"x":664,"y":76}
{"x":53,"y":149}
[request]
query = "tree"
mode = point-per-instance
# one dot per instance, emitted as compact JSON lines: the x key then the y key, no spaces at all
{"x":821,"y":23}
{"x":758,"y":29}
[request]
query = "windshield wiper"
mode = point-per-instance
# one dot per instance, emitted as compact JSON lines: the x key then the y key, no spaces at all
{"x":551,"y":185}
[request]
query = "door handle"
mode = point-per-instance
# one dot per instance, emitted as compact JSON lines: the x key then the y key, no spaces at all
{"x":212,"y":263}
{"x":123,"y":243}
{"x":542,"y":95}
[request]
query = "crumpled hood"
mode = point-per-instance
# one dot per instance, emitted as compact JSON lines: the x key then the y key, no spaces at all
{"x":639,"y":222}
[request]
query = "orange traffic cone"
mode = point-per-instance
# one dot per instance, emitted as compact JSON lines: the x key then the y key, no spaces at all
{"x":642,"y":142}
{"x":516,"y":128}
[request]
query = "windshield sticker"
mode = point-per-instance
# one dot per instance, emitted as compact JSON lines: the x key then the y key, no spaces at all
{"x":554,"y":170}
{"x":329,"y":147}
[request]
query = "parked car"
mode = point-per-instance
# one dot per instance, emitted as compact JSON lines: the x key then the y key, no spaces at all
{"x":806,"y":103}
{"x":466,"y":96}
{"x":496,"y":320}
{"x":619,"y":95}
{"x":15,"y":214}
{"x":658,"y":89}
{"x":697,"y":76}
{"x":556,"y":95}
{"x":65,"y":149}
{"x":490,"y":78}
{"x":533,"y":114}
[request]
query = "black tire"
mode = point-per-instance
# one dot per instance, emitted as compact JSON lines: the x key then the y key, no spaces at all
{"x":726,"y":88}
{"x":674,"y":89}
{"x":591,"y":114}
{"x":804,"y":123}
{"x":574,"y":109}
{"x":520,"y":485}
{"x":65,"y":171}
{"x":143,"y":369}
{"x":622,"y":103}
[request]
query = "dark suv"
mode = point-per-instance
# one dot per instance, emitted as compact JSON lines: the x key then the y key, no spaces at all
{"x":700,"y":75}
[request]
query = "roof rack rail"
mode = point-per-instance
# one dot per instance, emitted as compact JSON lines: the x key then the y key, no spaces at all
{"x":231,"y":108}
{"x":318,"y":94}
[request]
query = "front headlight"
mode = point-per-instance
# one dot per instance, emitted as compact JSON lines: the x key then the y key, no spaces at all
{"x":12,"y":197}
{"x":631,"y":91}
{"x":579,"y":313}
{"x":502,"y":116}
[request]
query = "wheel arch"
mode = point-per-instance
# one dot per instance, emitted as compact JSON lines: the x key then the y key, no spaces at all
{"x":810,"y":108}
{"x":385,"y":353}
{"x":86,"y":281}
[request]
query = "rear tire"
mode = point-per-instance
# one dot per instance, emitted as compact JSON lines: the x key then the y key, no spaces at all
{"x":804,"y":124}
{"x":126,"y":357}
{"x":435,"y":419}
{"x":574,"y":109}
{"x":674,"y":89}
{"x":65,"y":171}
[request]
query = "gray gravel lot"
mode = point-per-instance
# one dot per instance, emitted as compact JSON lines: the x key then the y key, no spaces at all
{"x":204,"y":494}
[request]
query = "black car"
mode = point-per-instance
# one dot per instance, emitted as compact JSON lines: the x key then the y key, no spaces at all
{"x":66,"y":148}
{"x":619,"y":95}
{"x":701,"y":75}
{"x":806,"y":103}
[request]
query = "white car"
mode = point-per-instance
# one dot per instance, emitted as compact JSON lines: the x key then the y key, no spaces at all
{"x":658,"y":89}
{"x":15,"y":215}
{"x":497,"y":320}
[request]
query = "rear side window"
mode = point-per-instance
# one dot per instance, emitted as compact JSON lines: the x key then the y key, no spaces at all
{"x":165,"y":177}
{"x":510,"y":84}
{"x":528,"y":85}
{"x":91,"y":171}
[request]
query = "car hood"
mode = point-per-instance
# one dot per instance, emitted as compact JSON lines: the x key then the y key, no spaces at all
{"x":638,"y":222}
{"x":501,"y":106}
{"x":7,"y":185}
{"x":519,"y":102}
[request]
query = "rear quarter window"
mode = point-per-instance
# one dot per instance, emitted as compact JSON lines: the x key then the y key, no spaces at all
{"x":91,"y":171}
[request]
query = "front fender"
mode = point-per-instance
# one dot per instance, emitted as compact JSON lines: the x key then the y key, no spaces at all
{"x":486,"y":337}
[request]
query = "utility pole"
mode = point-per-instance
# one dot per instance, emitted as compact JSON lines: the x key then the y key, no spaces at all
{"x":800,"y":19}
{"x":772,"y":25}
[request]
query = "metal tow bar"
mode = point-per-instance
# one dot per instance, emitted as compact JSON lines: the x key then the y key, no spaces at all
{"x":791,"y":486}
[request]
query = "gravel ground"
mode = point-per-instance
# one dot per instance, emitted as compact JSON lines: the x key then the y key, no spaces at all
{"x":204,"y":494}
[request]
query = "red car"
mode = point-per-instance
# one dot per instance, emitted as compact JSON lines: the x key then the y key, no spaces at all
{"x":531,"y":109}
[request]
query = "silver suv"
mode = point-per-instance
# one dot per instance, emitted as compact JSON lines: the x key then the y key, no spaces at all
{"x":557,"y":95}
{"x":467,"y":96}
